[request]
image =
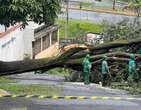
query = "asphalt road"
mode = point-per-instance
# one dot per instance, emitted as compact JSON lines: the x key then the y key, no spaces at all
{"x":96,"y":17}
{"x":23,"y":104}
{"x":75,"y":89}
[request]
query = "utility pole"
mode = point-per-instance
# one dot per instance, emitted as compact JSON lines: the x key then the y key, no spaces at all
{"x":67,"y":18}
{"x":67,"y":10}
{"x":114,"y":4}
{"x":80,"y":9}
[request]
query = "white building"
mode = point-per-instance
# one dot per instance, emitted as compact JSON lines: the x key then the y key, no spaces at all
{"x":17,"y":43}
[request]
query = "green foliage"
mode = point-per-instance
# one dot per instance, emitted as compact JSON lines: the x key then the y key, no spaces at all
{"x":13,"y":11}
{"x":132,"y":88}
{"x":124,"y":30}
{"x":40,"y":11}
{"x":77,"y":31}
{"x":47,"y":11}
{"x":136,"y":5}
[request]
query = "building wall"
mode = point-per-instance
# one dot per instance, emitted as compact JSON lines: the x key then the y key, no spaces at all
{"x":45,"y":41}
{"x":54,"y":37}
{"x":2,"y":28}
{"x":28,"y":39}
{"x":41,"y":44}
{"x":11,"y":46}
{"x":18,"y":44}
{"x":36,"y":47}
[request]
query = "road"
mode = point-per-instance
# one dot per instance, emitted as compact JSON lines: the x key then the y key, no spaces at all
{"x":71,"y":89}
{"x":95,"y":16}
{"x":103,"y":3}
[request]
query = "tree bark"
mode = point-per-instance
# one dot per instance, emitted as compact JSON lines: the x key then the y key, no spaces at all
{"x":18,"y":67}
{"x":67,"y":57}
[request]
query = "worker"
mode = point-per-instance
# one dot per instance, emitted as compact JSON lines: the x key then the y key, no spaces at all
{"x":132,"y":72}
{"x":105,"y":71}
{"x":86,"y":69}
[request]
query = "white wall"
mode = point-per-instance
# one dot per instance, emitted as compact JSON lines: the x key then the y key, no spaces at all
{"x":2,"y":28}
{"x":17,"y":44}
{"x":28,"y":38}
{"x":11,"y":46}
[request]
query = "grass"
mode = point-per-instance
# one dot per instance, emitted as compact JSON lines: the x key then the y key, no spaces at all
{"x":23,"y":108}
{"x":6,"y":80}
{"x":87,"y":4}
{"x":10,"y":86}
{"x":31,"y":89}
{"x":76,"y":28}
{"x":59,"y":72}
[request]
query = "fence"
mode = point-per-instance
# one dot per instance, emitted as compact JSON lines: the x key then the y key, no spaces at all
{"x":81,"y":40}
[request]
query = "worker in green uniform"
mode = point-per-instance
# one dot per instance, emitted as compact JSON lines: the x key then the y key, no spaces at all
{"x":86,"y":69}
{"x":105,"y":71}
{"x":132,"y":73}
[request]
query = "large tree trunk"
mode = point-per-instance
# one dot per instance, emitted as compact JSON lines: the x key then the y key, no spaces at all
{"x":16,"y":67}
{"x":69,"y":56}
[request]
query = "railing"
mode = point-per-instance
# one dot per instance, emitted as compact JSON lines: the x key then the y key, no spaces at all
{"x":65,"y":42}
{"x":80,"y":40}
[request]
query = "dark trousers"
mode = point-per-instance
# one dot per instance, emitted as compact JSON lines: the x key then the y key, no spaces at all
{"x":86,"y":78}
{"x":105,"y":79}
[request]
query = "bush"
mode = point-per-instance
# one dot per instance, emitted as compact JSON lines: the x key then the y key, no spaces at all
{"x":122,"y":30}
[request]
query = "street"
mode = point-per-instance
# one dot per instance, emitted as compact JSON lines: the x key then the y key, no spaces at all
{"x":70,"y":89}
{"x":23,"y":104}
{"x":46,"y":44}
{"x":95,"y":16}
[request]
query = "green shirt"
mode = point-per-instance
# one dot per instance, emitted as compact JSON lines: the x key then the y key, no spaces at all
{"x":132,"y":66}
{"x":105,"y":69}
{"x":86,"y":65}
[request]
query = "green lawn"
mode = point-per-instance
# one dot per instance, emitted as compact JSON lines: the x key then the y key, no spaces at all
{"x":12,"y":87}
{"x":31,"y":89}
{"x":87,"y":4}
{"x":6,"y":80}
{"x":77,"y":28}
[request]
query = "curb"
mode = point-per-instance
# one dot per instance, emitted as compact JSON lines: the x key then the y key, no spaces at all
{"x":100,"y":87}
{"x":71,"y":97}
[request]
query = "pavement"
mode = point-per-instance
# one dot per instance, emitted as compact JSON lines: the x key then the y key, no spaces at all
{"x":71,"y":89}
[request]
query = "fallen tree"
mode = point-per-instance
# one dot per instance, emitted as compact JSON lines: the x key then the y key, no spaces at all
{"x":71,"y":56}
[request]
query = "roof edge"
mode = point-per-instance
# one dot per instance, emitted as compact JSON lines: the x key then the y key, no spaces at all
{"x":3,"y":34}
